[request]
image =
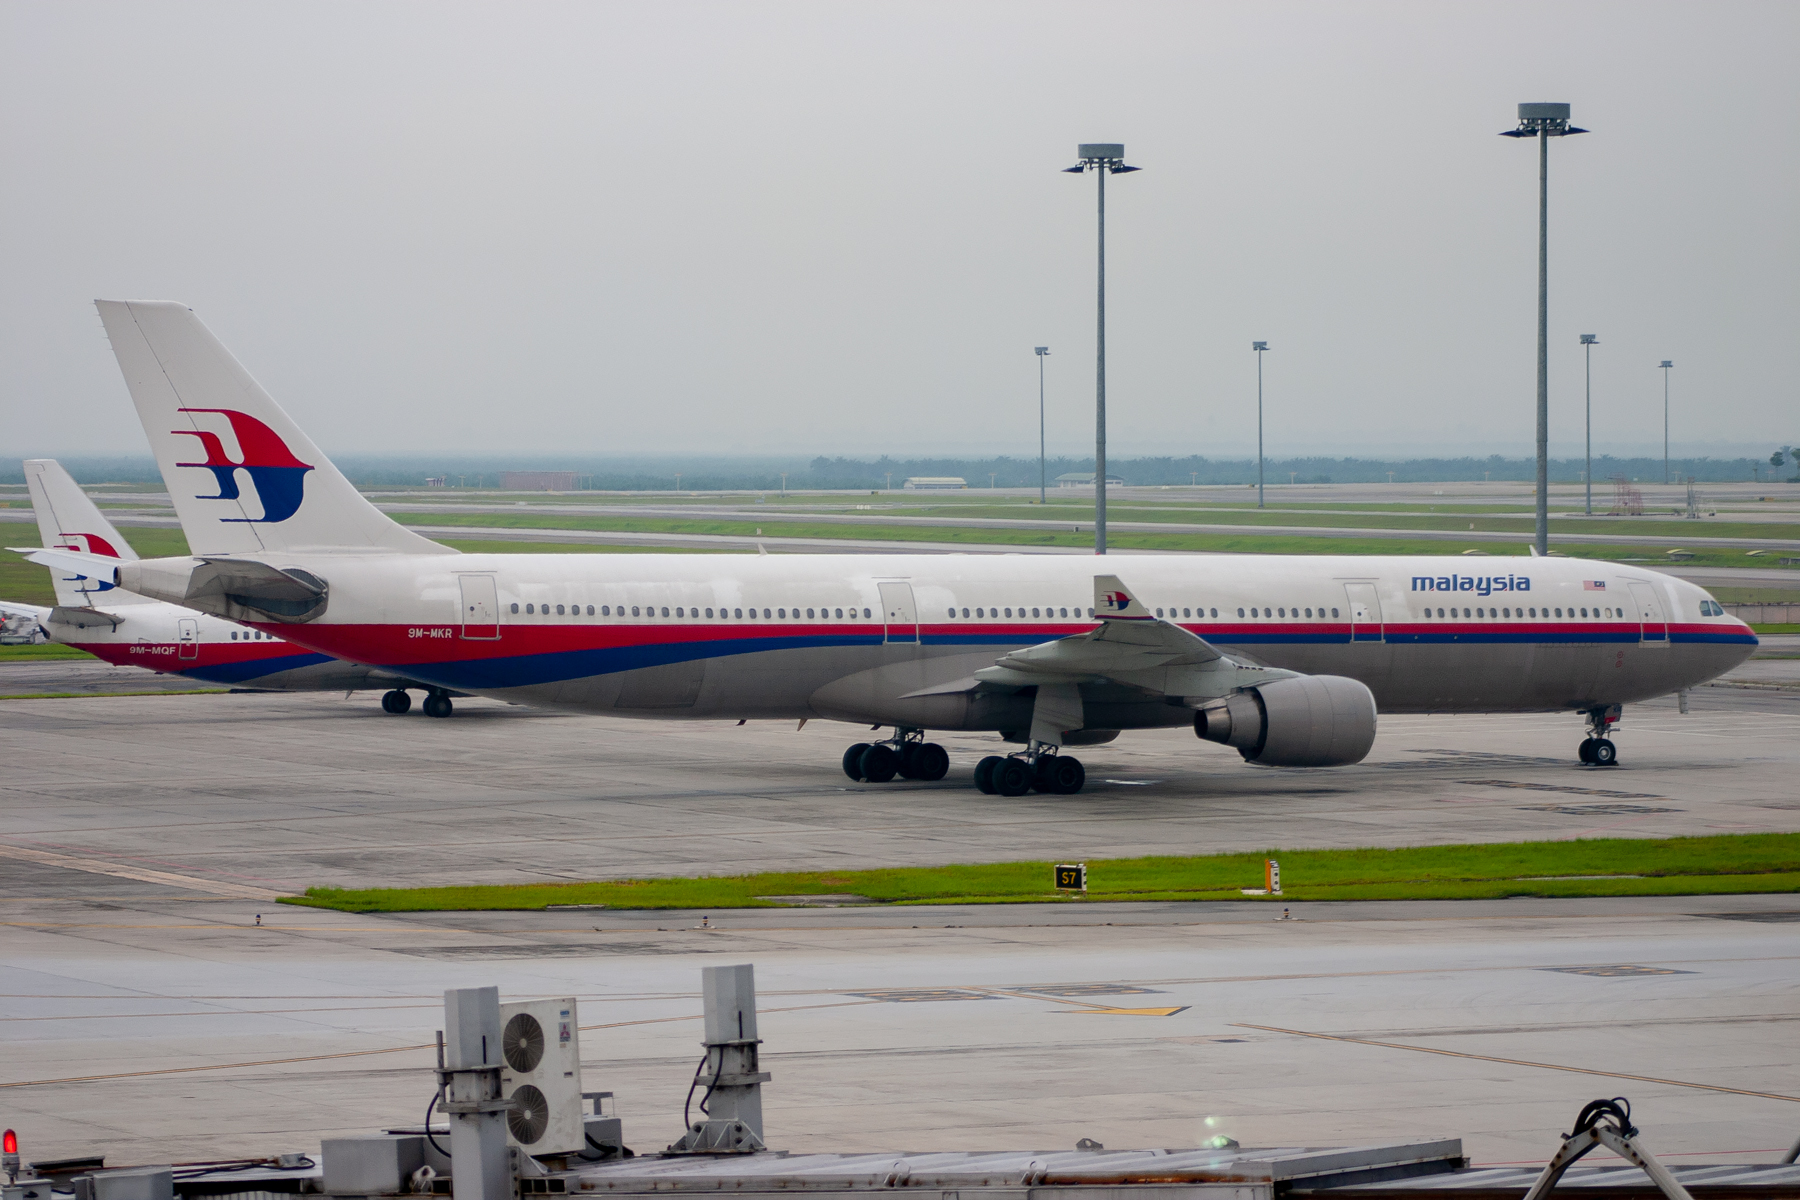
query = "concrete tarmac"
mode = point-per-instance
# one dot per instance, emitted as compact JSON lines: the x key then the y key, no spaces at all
{"x":146,"y":1014}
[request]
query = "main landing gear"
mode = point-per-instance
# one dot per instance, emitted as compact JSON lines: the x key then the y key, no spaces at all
{"x":1041,"y":767}
{"x":1597,"y":749}
{"x":907,"y":754}
{"x":437,"y":703}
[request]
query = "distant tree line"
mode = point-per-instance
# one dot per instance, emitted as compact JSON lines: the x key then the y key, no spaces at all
{"x":759,"y":473}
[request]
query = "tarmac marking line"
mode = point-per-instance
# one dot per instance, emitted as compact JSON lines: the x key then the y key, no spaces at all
{"x":95,"y":866}
{"x":1520,"y":1062}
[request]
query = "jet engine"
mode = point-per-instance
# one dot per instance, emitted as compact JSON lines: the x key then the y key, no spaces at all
{"x":1303,"y":721}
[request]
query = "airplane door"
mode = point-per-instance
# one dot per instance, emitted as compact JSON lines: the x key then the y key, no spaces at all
{"x":898,"y":612}
{"x":188,"y":636}
{"x":480,"y":607}
{"x":1365,"y":612}
{"x":1654,"y":627}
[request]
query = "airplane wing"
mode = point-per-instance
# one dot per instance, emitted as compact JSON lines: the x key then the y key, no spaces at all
{"x":1131,"y":646}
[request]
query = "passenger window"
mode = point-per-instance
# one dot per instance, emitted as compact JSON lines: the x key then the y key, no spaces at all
{"x":530,"y":608}
{"x":965,"y":612}
{"x":1240,"y":612}
{"x":1559,"y":612}
{"x":1281,"y":612}
{"x":234,"y":635}
{"x":1065,"y":612}
{"x":782,"y":613}
{"x":1309,"y":612}
{"x":590,"y":611}
{"x":559,"y":610}
{"x":515,"y":606}
{"x":980,"y":612}
{"x":809,"y":613}
{"x":1334,"y":612}
{"x":1480,"y":612}
{"x":634,"y":610}
{"x":865,"y":612}
{"x":606,"y":610}
{"x":1090,"y":613}
{"x":1009,"y":612}
{"x":765,"y":614}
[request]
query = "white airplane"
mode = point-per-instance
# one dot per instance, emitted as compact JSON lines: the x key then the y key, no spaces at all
{"x":1285,"y":658}
{"x":127,"y":629}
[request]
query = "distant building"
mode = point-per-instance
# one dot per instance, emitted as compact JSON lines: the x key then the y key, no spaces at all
{"x":1079,"y":479}
{"x":436,"y":481}
{"x":935,"y":483}
{"x":537,"y":481}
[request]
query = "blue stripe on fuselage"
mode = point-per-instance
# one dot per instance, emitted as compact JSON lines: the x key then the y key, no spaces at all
{"x":526,"y":670}
{"x":243,"y":672}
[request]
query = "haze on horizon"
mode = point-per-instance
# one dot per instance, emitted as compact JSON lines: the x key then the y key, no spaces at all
{"x":615,"y":229}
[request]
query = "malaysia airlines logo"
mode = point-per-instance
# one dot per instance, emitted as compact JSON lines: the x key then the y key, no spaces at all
{"x":1118,"y":601}
{"x":278,"y":477}
{"x":88,"y":543}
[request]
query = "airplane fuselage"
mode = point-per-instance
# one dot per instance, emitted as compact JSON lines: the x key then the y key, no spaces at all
{"x":853,"y":637}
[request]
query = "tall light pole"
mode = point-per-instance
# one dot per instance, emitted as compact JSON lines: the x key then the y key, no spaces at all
{"x":1103,"y":158}
{"x":1588,"y":342}
{"x":1665,"y":366}
{"x":1260,"y":348}
{"x":1543,"y":122}
{"x":1043,"y":472}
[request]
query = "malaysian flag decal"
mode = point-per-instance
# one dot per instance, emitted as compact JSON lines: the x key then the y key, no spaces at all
{"x":1593,"y":585}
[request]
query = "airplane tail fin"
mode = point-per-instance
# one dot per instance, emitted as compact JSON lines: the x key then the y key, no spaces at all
{"x":67,"y":519}
{"x":244,"y":478}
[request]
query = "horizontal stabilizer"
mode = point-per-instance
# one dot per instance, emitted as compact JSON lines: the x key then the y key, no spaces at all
{"x":94,"y":566}
{"x":9,"y":609}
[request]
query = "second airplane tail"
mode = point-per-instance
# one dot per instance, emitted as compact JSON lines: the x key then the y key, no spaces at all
{"x":242,"y":475}
{"x":68,"y":519}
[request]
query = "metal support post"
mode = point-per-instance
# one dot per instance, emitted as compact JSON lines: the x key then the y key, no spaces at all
{"x":1543,"y":355}
{"x":1619,"y":1136}
{"x":732,"y":1103}
{"x":470,"y":1080}
{"x":1043,"y":461}
{"x":1105,"y":158}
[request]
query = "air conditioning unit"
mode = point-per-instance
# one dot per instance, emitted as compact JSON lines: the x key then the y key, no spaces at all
{"x":540,"y":1053}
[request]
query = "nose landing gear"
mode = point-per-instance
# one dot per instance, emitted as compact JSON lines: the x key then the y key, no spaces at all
{"x":907,"y":754}
{"x":1597,"y":749}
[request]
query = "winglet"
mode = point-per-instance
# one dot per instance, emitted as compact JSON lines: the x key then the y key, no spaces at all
{"x":1114,"y":602}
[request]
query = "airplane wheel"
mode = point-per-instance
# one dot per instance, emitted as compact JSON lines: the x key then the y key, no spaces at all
{"x":396,"y":701}
{"x":853,"y":760}
{"x":1586,"y":753}
{"x":929,"y":762}
{"x":880,"y":763}
{"x":1605,"y":754}
{"x":1060,"y":774}
{"x":903,"y":756}
{"x":984,"y":774}
{"x":438,"y":705}
{"x":1011,"y":777}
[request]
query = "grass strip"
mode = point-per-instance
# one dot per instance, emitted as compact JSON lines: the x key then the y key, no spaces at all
{"x":40,"y":652}
{"x":1687,"y":866}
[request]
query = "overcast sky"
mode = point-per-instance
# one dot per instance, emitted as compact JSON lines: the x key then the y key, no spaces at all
{"x":840,"y":227}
